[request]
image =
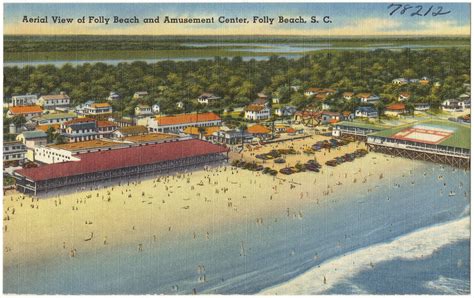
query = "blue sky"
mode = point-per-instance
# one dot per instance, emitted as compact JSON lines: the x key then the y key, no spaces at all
{"x":347,"y":18}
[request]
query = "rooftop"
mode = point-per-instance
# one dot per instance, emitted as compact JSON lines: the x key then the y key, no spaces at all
{"x":55,"y":96}
{"x":258,"y":129}
{"x":254,"y":108}
{"x":187,"y":118}
{"x":35,"y":134}
{"x":151,"y":137}
{"x":399,"y":106}
{"x":100,"y":105}
{"x":104,"y":123}
{"x":26,"y":109}
{"x":47,"y":126}
{"x":80,"y":120}
{"x":93,"y":144}
{"x":191,"y":130}
{"x":133,"y":130}
{"x":123,"y":158}
{"x":56,"y":116}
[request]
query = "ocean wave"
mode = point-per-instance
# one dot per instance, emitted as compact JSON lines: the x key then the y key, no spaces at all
{"x":449,"y":286}
{"x":419,"y":244}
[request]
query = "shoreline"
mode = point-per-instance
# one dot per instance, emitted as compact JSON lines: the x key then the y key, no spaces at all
{"x":416,"y":245}
{"x":141,"y":210}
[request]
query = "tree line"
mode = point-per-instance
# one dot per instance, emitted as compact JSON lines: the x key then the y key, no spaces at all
{"x":238,"y":81}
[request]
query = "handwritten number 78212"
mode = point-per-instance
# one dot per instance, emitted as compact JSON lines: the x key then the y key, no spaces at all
{"x":416,"y":10}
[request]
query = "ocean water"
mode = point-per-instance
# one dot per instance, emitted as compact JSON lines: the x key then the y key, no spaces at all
{"x":406,"y":236}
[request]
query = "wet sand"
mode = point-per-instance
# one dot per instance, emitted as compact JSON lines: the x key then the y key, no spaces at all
{"x":143,"y":212}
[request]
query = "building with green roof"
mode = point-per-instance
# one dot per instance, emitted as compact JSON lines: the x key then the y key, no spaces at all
{"x":433,"y":140}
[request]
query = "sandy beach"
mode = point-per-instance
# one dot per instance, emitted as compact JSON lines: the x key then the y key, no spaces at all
{"x":145,"y":211}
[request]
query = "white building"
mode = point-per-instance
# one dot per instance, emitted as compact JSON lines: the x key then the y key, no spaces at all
{"x":143,"y":111}
{"x":51,"y":102}
{"x":257,"y":112}
{"x":155,"y":108}
{"x":13,"y":152}
{"x":140,"y":94}
{"x":180,"y":122}
{"x":28,"y":112}
{"x":49,"y":155}
{"x":207,"y":98}
{"x":113,"y":96}
{"x":98,"y":109}
{"x":58,"y":118}
{"x":24,"y":100}
{"x":366,"y":112}
{"x":368,"y":98}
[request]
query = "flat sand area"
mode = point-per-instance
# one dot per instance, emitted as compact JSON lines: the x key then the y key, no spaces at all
{"x":142,"y":211}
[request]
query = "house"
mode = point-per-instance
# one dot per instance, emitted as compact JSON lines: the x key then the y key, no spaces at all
{"x":285,"y":111}
{"x":80,"y":109}
{"x":260,"y":101}
{"x":231,"y":137}
{"x":207,"y":98}
{"x":295,"y":88}
{"x":366,"y":112}
{"x":140,"y":94}
{"x":105,"y":129}
{"x":424,"y":81}
{"x":123,"y":121}
{"x":467,"y":103}
{"x":452,"y":105}
{"x":367,"y":98}
{"x":143,"y":111}
{"x":395,"y":109}
{"x":31,"y":140}
{"x":51,"y":102}
{"x":13,"y":153}
{"x":59,"y":153}
{"x":98,"y":109}
{"x":330,"y":117}
{"x":404,"y":96}
{"x":400,"y":81}
{"x":276,"y":100}
{"x":80,"y":129}
{"x":263,"y":96}
{"x":347,"y":95}
{"x":313,"y":91}
{"x":347,"y":116}
{"x":113,"y":96}
{"x":24,"y":100}
{"x":257,"y":112}
{"x":259,"y":131}
{"x":155,"y":108}
{"x":196,"y":133}
{"x":135,"y":130}
{"x":28,"y":112}
{"x":177,"y":123}
{"x":56,"y":118}
{"x":422,"y":106}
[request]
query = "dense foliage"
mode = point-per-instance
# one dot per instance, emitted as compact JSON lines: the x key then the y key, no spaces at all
{"x":238,"y":82}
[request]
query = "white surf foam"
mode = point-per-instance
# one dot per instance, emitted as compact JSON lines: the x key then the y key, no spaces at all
{"x":449,"y":286}
{"x":416,"y":245}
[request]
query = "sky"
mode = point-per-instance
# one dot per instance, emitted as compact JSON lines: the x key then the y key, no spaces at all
{"x":347,"y":19}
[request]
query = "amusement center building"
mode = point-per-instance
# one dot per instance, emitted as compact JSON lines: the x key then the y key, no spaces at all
{"x":123,"y":162}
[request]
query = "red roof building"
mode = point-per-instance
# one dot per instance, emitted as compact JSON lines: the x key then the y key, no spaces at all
{"x":106,"y":163}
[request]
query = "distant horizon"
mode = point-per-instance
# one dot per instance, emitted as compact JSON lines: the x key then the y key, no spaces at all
{"x":231,"y":19}
{"x":259,"y":35}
